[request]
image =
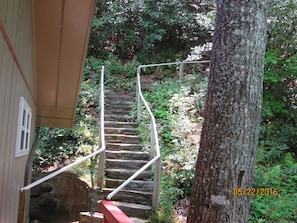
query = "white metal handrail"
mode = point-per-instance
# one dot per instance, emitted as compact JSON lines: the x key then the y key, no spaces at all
{"x":101,"y":150}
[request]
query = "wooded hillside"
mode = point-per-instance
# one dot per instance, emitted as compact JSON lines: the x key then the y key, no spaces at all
{"x":126,"y":34}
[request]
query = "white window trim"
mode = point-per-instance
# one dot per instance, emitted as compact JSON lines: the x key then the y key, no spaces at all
{"x":24,"y":128}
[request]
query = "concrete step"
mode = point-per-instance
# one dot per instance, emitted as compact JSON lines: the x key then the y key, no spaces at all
{"x":125,"y":131}
{"x":120,"y":94}
{"x":124,"y":164}
{"x":124,"y":174}
{"x":117,"y":124}
{"x":126,"y":155}
{"x":140,"y":185}
{"x":123,"y":146}
{"x":118,"y":118}
{"x":121,"y":110}
{"x":117,"y":101}
{"x":110,"y":98}
{"x":121,"y":138}
{"x":135,"y":210}
{"x":131,"y":196}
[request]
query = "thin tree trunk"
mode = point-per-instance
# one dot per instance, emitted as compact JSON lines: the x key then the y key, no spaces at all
{"x":229,"y":139}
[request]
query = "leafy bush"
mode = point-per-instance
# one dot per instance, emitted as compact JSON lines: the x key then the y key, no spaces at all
{"x":117,"y":75}
{"x":280,"y":87}
{"x":282,"y":23}
{"x":280,"y":207}
{"x":141,"y":28}
{"x":55,"y":146}
{"x":276,"y":160}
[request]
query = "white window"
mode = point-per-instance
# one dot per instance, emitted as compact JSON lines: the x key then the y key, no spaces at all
{"x":24,"y":127}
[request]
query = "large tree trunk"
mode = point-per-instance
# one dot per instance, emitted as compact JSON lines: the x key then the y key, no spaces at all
{"x":229,"y":139}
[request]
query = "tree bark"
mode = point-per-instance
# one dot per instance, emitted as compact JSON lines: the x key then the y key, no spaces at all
{"x":229,"y":139}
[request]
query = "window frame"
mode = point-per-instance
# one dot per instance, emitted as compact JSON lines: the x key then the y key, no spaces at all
{"x":24,"y":128}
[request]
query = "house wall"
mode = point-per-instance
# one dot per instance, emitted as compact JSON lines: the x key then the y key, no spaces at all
{"x":17,"y":78}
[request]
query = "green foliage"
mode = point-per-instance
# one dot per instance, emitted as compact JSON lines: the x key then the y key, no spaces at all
{"x":168,"y":195}
{"x":282,"y":23}
{"x":280,"y":207}
{"x":279,"y":86}
{"x":174,"y":104}
{"x":278,"y":129}
{"x":54,"y":147}
{"x":276,"y":160}
{"x":141,"y":28}
{"x":117,"y":75}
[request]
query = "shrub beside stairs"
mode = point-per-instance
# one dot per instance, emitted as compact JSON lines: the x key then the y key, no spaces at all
{"x":124,"y":156}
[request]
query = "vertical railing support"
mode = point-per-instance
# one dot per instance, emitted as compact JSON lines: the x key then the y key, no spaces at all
{"x":100,"y":180}
{"x":157,"y":183}
{"x":152,"y":140}
{"x":181,"y":70}
{"x":101,"y":161}
{"x":138,"y":90}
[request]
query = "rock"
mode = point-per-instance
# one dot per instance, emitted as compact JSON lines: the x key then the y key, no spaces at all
{"x":63,"y":195}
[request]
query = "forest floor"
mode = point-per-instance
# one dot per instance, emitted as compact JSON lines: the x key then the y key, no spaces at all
{"x":181,"y":209}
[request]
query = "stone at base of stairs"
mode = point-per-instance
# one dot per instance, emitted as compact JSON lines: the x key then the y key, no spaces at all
{"x":90,"y":217}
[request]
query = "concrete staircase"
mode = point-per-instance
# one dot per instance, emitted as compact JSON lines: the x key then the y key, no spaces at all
{"x":124,"y":156}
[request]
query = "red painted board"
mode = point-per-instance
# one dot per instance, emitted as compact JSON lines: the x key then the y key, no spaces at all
{"x":112,"y":214}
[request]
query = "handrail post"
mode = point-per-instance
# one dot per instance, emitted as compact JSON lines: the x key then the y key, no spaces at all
{"x":139,"y":105}
{"x":101,"y":161}
{"x":157,"y":182}
{"x":181,"y":69}
{"x":101,"y":170}
{"x":152,"y":140}
{"x":138,"y":89}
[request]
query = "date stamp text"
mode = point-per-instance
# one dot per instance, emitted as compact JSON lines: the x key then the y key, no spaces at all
{"x":252,"y":191}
